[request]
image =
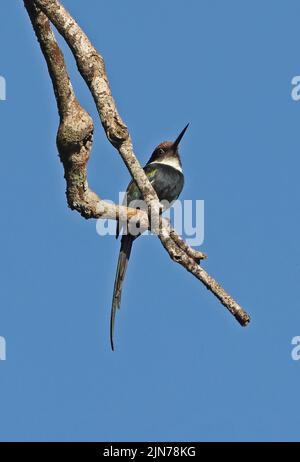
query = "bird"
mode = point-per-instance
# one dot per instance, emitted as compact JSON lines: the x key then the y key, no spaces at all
{"x":164,"y":171}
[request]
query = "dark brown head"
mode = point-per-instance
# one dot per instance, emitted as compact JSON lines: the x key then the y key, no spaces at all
{"x":167,"y":149}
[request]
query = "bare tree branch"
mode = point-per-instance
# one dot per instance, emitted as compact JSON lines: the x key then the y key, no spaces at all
{"x":193,"y":253}
{"x":75,"y":133}
{"x":91,"y":66}
{"x":74,"y":138}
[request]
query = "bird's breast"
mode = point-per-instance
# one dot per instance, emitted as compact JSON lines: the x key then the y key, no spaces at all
{"x":167,"y":180}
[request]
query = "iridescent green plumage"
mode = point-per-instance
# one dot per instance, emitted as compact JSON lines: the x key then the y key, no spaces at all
{"x":133,"y":192}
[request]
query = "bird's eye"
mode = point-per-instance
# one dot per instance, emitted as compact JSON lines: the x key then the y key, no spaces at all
{"x":161,"y":151}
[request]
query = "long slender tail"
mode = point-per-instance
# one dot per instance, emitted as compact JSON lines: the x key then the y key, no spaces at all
{"x":126,"y":245}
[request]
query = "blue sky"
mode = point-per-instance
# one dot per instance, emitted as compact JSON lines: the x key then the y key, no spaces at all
{"x":183,"y":368}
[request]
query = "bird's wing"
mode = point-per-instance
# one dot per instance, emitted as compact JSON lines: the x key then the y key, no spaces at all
{"x":134,"y":194}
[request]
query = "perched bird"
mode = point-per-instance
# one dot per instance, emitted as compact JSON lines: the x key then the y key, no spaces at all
{"x":164,"y":171}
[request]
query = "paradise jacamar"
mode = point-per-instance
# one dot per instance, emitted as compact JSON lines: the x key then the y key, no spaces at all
{"x":164,"y":171}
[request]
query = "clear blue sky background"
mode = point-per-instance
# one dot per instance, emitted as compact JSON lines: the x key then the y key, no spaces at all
{"x":183,"y":369}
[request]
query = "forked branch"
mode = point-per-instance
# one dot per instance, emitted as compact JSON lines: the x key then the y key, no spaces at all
{"x":75,"y":137}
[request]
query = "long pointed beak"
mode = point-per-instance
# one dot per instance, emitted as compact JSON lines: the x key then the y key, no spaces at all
{"x":178,"y":139}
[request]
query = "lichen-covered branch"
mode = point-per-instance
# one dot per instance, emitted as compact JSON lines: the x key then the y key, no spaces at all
{"x":91,"y":66}
{"x":75,"y":138}
{"x":193,"y":253}
{"x":189,"y":263}
{"x":75,"y":132}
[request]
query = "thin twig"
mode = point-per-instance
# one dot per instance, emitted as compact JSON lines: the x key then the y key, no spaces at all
{"x":193,"y":253}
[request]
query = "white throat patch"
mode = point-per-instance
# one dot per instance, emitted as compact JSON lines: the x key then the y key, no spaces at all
{"x":172,"y":162}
